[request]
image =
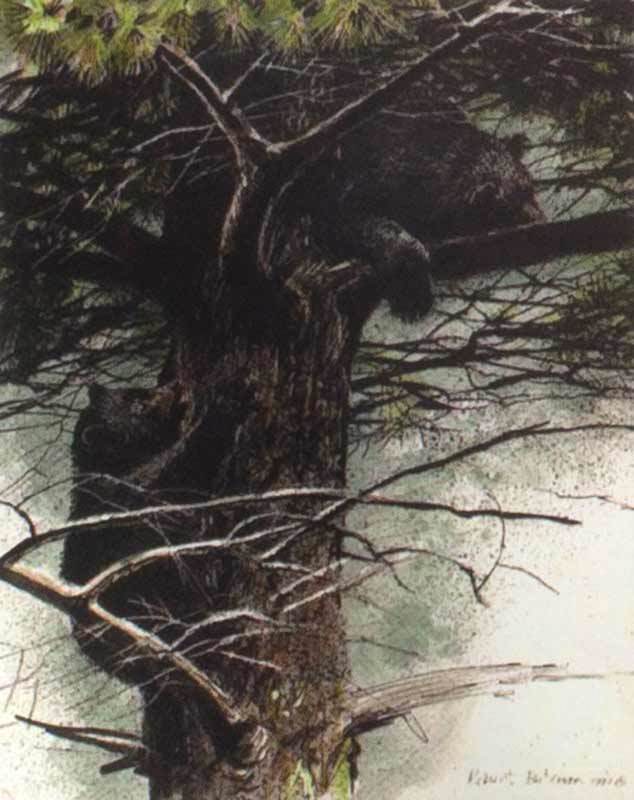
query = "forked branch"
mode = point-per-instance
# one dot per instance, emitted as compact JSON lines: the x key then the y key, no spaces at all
{"x":65,"y":597}
{"x":243,"y":137}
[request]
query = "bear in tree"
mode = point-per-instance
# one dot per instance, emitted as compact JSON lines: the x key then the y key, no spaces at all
{"x":117,"y":438}
{"x":118,"y":432}
{"x":403,"y":181}
{"x":391,"y":187}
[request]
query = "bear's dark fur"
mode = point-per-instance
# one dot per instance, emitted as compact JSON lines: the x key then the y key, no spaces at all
{"x":437,"y":179}
{"x":120,"y":430}
{"x":116,"y":435}
{"x":404,"y":178}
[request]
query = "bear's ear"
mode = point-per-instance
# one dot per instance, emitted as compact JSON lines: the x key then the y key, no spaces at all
{"x":96,"y":392}
{"x":484,"y":194}
{"x":99,"y":438}
{"x":517,"y":144}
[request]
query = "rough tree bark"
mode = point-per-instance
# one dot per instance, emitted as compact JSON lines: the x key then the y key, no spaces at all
{"x":263,"y":397}
{"x":270,"y":411}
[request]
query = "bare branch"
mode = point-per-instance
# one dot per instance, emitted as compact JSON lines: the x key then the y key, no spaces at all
{"x":22,"y":514}
{"x":133,"y":752}
{"x":524,"y":571}
{"x":501,"y":548}
{"x":538,"y":429}
{"x":131,"y":518}
{"x":380,"y":705}
{"x":223,"y":705}
{"x":228,"y":94}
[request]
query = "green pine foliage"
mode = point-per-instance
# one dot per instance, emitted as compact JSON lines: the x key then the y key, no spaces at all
{"x":98,"y":38}
{"x":95,"y":38}
{"x":580,"y":82}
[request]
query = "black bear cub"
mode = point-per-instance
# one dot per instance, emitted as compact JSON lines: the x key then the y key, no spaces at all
{"x":116,"y":434}
{"x":120,"y":430}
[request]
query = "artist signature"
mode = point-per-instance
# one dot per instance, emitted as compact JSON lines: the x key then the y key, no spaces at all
{"x":601,"y":779}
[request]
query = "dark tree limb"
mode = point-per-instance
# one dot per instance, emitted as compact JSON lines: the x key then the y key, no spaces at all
{"x":131,"y":256}
{"x":532,"y":244}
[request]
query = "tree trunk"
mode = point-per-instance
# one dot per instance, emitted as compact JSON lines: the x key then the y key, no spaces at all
{"x":266,"y":395}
